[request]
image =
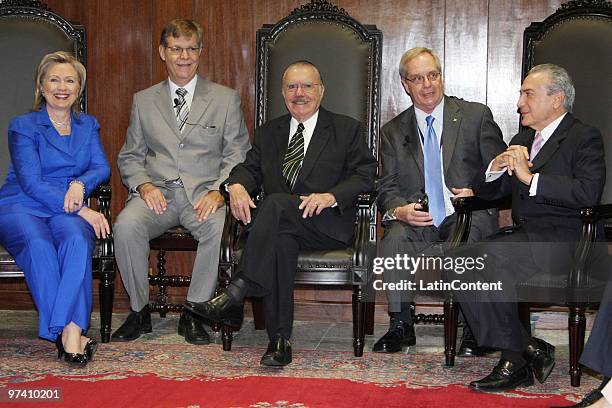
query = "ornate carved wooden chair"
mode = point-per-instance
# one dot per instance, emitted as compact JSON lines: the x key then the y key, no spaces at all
{"x":28,"y":31}
{"x":348,"y":55}
{"x":576,"y":37}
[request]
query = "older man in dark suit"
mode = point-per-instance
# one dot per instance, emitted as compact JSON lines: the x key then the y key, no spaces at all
{"x":311,"y":165}
{"x":551,"y":170}
{"x":434,"y":149}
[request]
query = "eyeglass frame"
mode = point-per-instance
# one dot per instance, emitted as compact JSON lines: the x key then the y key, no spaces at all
{"x":419,"y":79}
{"x":176,"y":50}
{"x":306,"y":87}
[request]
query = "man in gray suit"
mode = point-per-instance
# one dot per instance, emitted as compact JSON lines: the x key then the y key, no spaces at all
{"x":185,"y":136}
{"x":429,"y":153}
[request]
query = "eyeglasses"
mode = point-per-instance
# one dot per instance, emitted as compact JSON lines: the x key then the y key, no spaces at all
{"x":179,"y":50}
{"x":306,"y":87}
{"x":419,"y":79}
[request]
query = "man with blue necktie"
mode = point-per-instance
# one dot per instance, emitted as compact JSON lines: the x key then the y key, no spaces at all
{"x":433,"y":149}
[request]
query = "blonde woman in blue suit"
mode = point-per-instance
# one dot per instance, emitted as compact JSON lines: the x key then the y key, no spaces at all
{"x":56,"y":162}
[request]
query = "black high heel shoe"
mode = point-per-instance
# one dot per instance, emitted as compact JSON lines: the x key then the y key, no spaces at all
{"x":90,"y":348}
{"x":74,"y":359}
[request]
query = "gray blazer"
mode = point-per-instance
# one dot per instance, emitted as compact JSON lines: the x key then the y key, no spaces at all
{"x":471,"y":139}
{"x":213,"y":140}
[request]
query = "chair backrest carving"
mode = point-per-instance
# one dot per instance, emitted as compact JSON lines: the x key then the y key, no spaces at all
{"x":28,"y":31}
{"x":578,"y":37}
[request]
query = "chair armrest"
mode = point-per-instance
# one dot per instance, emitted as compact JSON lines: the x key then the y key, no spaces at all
{"x":366,"y":199}
{"x":578,"y":276}
{"x":361,"y":243}
{"x":463,"y":204}
{"x":596,"y":213}
{"x":103,"y":196}
{"x":232,"y":228}
{"x":464,"y":207}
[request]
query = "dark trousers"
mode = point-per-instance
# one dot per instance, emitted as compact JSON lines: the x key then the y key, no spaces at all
{"x":598,"y":350}
{"x":270,"y":256}
{"x":493,"y":316}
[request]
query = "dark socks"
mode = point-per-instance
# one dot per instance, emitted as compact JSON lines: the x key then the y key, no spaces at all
{"x":237,"y":290}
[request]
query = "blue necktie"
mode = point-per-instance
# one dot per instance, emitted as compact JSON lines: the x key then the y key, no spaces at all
{"x":433,"y":174}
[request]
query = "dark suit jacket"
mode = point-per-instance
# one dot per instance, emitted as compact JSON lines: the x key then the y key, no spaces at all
{"x":471,"y":139}
{"x":572,"y":171}
{"x":337,"y":161}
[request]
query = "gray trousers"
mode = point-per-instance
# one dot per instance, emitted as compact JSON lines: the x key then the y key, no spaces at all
{"x":401,"y":238}
{"x":137,"y":224}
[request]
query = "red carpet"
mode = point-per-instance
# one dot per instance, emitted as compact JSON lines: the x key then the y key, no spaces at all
{"x":165,"y":372}
{"x":151,"y":391}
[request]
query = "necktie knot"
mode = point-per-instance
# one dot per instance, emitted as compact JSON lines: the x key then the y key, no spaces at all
{"x":181,"y":92}
{"x":429,"y":120}
{"x":300,"y":127}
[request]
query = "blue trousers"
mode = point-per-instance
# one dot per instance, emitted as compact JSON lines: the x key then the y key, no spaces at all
{"x":55,"y":256}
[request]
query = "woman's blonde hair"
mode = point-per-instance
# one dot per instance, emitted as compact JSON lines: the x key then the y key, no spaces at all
{"x":58,"y":57}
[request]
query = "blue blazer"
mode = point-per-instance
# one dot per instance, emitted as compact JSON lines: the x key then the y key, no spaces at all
{"x":43,"y":165}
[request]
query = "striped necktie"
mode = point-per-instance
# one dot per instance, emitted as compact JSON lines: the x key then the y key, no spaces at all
{"x":294,"y":157}
{"x":538,"y":142}
{"x":182,"y":110}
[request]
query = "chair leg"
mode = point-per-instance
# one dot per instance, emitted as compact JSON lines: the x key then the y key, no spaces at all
{"x":259,"y":318}
{"x":107,"y":293}
{"x":451,"y":321}
{"x":369,"y":323}
{"x":162,"y":295}
{"x":577,"y":327}
{"x":227,"y":336}
{"x":359,"y":321}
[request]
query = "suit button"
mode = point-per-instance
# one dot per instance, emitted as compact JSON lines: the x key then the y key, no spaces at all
{"x":181,"y":146}
{"x":522,"y":196}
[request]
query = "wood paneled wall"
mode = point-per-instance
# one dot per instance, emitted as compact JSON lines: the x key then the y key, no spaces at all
{"x":479,"y":43}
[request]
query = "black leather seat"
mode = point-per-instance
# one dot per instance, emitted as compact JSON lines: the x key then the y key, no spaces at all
{"x":28,"y":31}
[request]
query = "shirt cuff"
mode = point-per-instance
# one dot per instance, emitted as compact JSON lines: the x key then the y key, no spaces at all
{"x":389,"y":215}
{"x":533,"y":188}
{"x":493,"y":175}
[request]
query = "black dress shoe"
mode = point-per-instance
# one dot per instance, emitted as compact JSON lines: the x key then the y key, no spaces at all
{"x":541,"y":359}
{"x":219,"y":309}
{"x":278,"y":353}
{"x":90,"y":349}
{"x":137,"y":323}
{"x":192,"y":329}
{"x":590,"y":398}
{"x":470,"y":348}
{"x":505,"y":376}
{"x":399,"y":336}
{"x":73,"y":359}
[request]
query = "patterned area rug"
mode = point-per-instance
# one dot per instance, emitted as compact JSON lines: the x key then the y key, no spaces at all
{"x":149,"y":374}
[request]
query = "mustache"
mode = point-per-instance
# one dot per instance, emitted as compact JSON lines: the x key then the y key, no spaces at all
{"x":298,"y":99}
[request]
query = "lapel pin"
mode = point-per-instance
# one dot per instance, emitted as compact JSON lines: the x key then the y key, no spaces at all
{"x":454,"y":119}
